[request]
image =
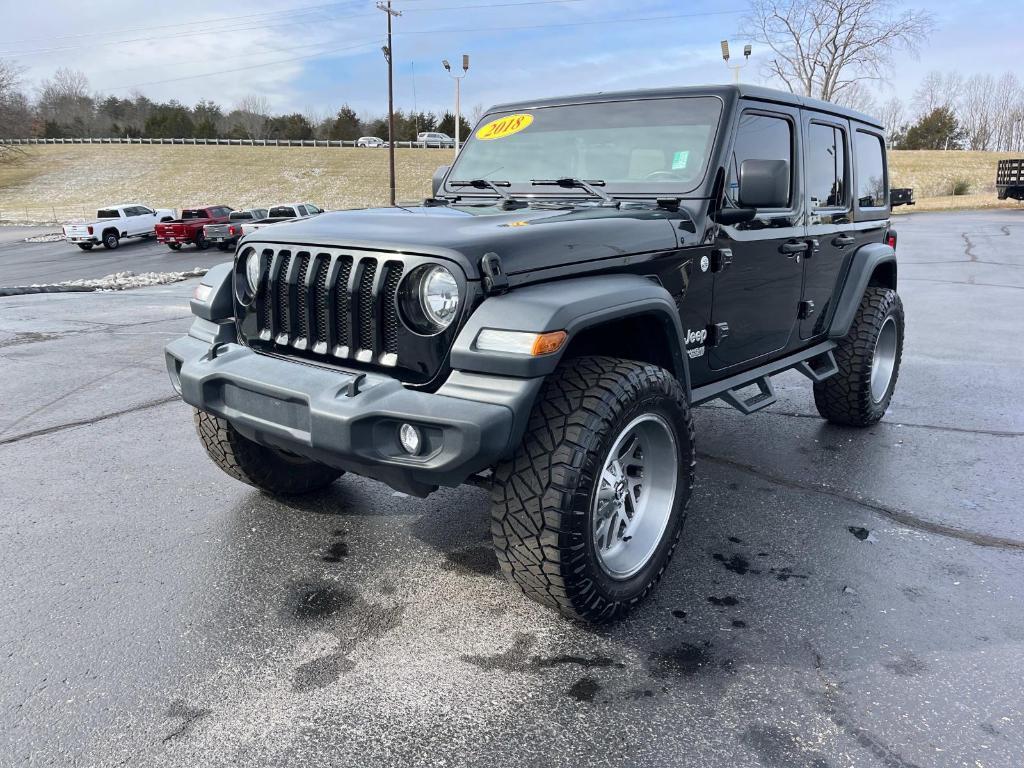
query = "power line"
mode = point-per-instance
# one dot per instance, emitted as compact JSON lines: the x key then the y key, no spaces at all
{"x":211,"y":20}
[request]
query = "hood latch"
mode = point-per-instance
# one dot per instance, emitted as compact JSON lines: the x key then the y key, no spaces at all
{"x":495,"y":281}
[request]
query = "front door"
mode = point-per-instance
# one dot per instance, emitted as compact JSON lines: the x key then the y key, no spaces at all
{"x":757,"y":295}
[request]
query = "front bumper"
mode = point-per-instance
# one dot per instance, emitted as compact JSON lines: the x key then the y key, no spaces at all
{"x":323,"y":414}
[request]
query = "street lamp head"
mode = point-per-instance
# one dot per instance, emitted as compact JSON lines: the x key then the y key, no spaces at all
{"x":447,"y":66}
{"x":746,"y":51}
{"x":465,"y":62}
{"x":725,"y":50}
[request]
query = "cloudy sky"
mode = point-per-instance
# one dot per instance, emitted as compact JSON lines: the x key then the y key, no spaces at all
{"x":311,"y":56}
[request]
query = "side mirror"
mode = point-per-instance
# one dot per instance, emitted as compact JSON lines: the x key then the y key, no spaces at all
{"x":438,"y":178}
{"x":764,"y":183}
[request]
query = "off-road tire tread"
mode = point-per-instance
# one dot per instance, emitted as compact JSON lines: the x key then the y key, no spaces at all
{"x":845,"y":398}
{"x":255,"y":464}
{"x":537,"y":529}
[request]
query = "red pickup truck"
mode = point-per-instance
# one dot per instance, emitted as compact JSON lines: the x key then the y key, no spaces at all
{"x":189,"y":228}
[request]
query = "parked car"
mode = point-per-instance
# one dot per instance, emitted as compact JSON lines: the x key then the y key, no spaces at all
{"x":224,"y":236}
{"x":282,"y":213}
{"x":114,"y":223}
{"x":1010,"y":179}
{"x":901,"y":196}
{"x":189,"y":228}
{"x":371,"y":141}
{"x":435,"y":139}
{"x":546,"y":334}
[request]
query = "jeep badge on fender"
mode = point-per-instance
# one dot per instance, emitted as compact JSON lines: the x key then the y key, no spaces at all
{"x":523,"y":329}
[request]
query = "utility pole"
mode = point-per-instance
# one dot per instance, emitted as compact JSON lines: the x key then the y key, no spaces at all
{"x":385,"y":5}
{"x":458,"y":105}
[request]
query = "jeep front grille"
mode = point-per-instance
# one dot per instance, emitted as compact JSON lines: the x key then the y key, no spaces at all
{"x":332,"y":305}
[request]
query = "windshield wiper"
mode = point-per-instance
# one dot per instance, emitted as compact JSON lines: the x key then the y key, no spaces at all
{"x":571,"y":183}
{"x":507,"y":201}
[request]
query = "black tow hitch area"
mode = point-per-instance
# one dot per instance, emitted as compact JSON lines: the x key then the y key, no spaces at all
{"x":495,"y":281}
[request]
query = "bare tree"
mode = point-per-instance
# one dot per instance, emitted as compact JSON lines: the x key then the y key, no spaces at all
{"x":892,"y":116}
{"x":937,"y":90}
{"x":476,"y":113}
{"x":65,"y":101}
{"x":1008,"y":106}
{"x":15,"y":115}
{"x":977,"y":111}
{"x":824,"y":48}
{"x":251,"y":114}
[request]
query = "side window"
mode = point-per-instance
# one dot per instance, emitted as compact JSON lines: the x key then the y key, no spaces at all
{"x":131,"y":210}
{"x":760,"y":137}
{"x":869,"y":158}
{"x":302,"y":211}
{"x":826,"y":166}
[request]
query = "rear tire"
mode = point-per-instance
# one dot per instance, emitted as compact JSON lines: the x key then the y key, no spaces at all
{"x":85,"y":246}
{"x":869,"y":363}
{"x":265,"y":468}
{"x":201,"y":242}
{"x":174,"y":246}
{"x":575,"y":524}
{"x":111,"y":240}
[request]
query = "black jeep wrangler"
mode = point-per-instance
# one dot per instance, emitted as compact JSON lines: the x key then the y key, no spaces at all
{"x":589,"y":270}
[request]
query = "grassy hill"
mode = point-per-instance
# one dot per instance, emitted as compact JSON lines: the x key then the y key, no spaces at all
{"x":60,"y":182}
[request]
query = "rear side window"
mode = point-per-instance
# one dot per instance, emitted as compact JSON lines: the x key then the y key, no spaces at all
{"x":761,"y":137}
{"x":237,"y":215}
{"x":826,"y":166}
{"x":108,"y":213}
{"x":870,"y":165}
{"x":302,"y":210}
{"x":193,"y":213}
{"x":282,"y":211}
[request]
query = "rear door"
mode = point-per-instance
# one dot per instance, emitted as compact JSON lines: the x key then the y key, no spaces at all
{"x":829,"y":201}
{"x":756,"y":296}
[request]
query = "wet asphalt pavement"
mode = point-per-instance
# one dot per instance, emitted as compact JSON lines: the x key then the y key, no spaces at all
{"x":840,"y":597}
{"x":24,"y":263}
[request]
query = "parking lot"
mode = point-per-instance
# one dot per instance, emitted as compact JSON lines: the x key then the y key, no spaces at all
{"x":839,"y":598}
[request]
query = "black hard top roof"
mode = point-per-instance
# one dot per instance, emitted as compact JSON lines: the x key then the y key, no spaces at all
{"x":726,"y":92}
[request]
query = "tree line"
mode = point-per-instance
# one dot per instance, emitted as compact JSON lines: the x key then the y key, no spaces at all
{"x":65,"y":108}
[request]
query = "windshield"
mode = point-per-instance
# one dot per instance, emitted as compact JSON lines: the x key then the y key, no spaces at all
{"x":655,"y":146}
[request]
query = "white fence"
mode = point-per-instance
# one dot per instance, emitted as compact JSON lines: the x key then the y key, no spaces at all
{"x":215,"y":142}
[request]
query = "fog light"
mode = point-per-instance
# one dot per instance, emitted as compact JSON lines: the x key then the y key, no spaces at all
{"x":410,"y":439}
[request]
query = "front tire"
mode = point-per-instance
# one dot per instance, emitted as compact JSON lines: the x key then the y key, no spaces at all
{"x":270,"y":470}
{"x":586,"y":514}
{"x":869,"y":363}
{"x":111,"y":240}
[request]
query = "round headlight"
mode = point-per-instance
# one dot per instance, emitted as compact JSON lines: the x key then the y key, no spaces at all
{"x":253,"y":271}
{"x":439,"y":296}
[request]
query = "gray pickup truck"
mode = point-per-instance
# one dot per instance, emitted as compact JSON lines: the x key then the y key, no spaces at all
{"x":227,"y":234}
{"x":589,"y":270}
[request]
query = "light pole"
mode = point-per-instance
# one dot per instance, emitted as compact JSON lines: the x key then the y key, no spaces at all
{"x":458,"y":106}
{"x":385,"y":5}
{"x":735,"y":67}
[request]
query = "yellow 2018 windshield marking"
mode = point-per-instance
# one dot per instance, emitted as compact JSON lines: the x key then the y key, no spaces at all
{"x":504,"y":126}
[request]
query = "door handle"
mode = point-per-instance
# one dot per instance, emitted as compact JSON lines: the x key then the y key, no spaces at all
{"x":840,"y":241}
{"x":794,"y":247}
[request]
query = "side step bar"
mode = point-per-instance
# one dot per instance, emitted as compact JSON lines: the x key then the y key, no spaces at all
{"x":765,"y":396}
{"x":816,"y":363}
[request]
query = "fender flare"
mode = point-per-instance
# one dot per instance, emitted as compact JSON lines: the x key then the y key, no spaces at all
{"x":865,"y":261}
{"x":219,"y":304}
{"x":572,"y":306}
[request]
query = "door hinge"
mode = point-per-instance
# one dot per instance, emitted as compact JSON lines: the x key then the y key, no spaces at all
{"x":717,"y":333}
{"x":806,"y":309}
{"x":495,"y":281}
{"x":720,"y":259}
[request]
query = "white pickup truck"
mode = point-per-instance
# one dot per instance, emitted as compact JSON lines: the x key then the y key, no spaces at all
{"x":113,"y":223}
{"x":280,"y":213}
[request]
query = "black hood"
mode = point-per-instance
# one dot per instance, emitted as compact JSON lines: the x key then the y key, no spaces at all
{"x":526,"y":239}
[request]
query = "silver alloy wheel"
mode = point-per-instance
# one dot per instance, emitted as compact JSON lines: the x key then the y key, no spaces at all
{"x":883,"y":361}
{"x":635,"y":495}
